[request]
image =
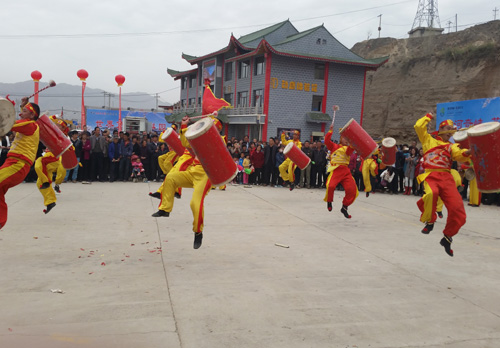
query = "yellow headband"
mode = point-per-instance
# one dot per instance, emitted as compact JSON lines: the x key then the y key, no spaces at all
{"x":31,"y":108}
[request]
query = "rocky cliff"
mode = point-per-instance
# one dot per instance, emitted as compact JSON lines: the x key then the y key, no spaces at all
{"x":422,"y":72}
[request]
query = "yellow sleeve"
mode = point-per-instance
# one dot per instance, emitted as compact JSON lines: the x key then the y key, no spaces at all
{"x":184,"y":141}
{"x":421,"y":129}
{"x":457,"y":154}
{"x":283,"y":139}
{"x":299,"y":144}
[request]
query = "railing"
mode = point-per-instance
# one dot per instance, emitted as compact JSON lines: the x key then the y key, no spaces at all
{"x":248,"y":110}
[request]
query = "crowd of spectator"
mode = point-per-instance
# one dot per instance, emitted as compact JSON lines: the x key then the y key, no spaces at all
{"x":109,"y":157}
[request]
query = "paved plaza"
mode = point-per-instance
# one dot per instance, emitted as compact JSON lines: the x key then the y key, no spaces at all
{"x":99,"y":271}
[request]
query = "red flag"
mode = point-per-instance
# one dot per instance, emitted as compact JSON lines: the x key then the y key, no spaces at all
{"x":211,"y":103}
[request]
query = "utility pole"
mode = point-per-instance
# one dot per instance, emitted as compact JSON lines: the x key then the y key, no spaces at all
{"x":456,"y":22}
{"x":495,"y":13}
{"x":379,"y":25}
{"x":449,"y":26}
{"x":156,"y":97}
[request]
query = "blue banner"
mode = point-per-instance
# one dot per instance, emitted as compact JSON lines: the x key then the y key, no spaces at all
{"x":104,"y":118}
{"x":469,"y":112}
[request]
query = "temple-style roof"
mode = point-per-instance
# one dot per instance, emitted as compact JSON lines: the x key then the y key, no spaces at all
{"x":284,"y":39}
{"x":178,"y":74}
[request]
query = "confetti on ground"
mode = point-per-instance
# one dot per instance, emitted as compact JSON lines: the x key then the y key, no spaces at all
{"x":103,"y":263}
{"x":57,"y":291}
{"x":35,"y":237}
{"x":281,"y":245}
{"x":10,"y":329}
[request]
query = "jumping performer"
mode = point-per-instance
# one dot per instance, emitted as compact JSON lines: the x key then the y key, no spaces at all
{"x":22,"y":153}
{"x":340,"y":173}
{"x":438,"y":180}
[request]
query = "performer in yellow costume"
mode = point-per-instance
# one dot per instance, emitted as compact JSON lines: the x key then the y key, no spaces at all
{"x":369,"y":169}
{"x":438,"y":180}
{"x":45,"y":168}
{"x":287,"y":168}
{"x":193,"y":176}
{"x":340,"y":173}
{"x":22,"y":153}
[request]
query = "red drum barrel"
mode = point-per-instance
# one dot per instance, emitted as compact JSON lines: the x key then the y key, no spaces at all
{"x":484,"y":142}
{"x":52,"y":137}
{"x":461,"y":138}
{"x":296,"y":155}
{"x":68,"y":158}
{"x":171,"y":137}
{"x":388,"y":151}
{"x":212,"y":152}
{"x":364,"y":145}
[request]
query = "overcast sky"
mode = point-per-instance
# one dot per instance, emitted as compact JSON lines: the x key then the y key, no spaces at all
{"x":59,"y":37}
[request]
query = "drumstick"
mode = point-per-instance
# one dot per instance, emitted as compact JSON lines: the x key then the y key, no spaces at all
{"x":335,"y":108}
{"x":52,"y":83}
{"x":201,"y":116}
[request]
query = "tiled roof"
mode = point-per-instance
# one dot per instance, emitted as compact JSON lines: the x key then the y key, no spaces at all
{"x":300,"y":35}
{"x":261,"y":33}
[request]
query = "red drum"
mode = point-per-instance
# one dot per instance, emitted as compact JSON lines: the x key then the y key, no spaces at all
{"x":364,"y":145}
{"x":52,"y":137}
{"x":171,"y":137}
{"x":388,"y":151}
{"x":484,"y":142}
{"x":212,"y":152}
{"x":68,"y":158}
{"x":461,"y":138}
{"x":296,"y":155}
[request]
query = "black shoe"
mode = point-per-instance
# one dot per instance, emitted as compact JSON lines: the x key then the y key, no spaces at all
{"x":428,"y":228}
{"x":197,"y":240}
{"x":344,"y":211}
{"x":57,"y":189}
{"x":49,"y":208}
{"x":329,"y":206}
{"x":45,"y":185}
{"x":292,"y":186}
{"x":177,"y":195}
{"x":368,"y":194}
{"x":161,"y":213}
{"x":446,"y":243}
{"x":440,"y":214}
{"x":155,"y":195}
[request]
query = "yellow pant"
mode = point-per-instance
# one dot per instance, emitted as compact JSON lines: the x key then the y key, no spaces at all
{"x":287,"y":170}
{"x":474,"y":194}
{"x":45,"y":174}
{"x":166,"y":163}
{"x":196,"y":178}
{"x":368,"y":170}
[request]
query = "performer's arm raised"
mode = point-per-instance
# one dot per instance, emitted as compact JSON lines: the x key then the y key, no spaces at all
{"x":421,"y":128}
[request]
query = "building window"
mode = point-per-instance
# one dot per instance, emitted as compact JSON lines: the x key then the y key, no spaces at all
{"x":318,"y":41}
{"x":199,"y":100}
{"x":191,"y":101}
{"x":244,"y":70}
{"x":319,"y":71}
{"x":324,"y":41}
{"x":183,"y":82}
{"x":183,"y":102}
{"x":242,"y":99}
{"x":259,"y":66}
{"x":258,"y":97}
{"x":192,"y":81}
{"x":317,"y":103}
{"x":228,"y":72}
{"x":229,"y":98}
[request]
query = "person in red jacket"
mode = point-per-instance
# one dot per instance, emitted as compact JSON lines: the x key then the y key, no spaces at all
{"x":22,"y":153}
{"x":257,"y":159}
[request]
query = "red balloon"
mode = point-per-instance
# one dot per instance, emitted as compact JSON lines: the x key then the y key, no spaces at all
{"x":82,"y":74}
{"x":36,"y":75}
{"x":120,"y":79}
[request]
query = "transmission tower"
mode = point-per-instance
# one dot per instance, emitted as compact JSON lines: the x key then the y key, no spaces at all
{"x":427,"y":15}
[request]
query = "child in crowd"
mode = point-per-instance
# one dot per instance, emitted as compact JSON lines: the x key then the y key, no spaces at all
{"x":240,"y":163}
{"x":137,"y":169}
{"x":246,"y":165}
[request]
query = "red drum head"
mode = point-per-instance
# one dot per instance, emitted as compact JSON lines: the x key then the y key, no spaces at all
{"x":7,"y":116}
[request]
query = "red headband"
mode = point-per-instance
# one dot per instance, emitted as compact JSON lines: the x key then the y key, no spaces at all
{"x":446,"y":123}
{"x":31,"y":108}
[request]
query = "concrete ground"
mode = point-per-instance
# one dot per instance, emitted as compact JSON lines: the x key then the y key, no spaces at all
{"x":131,"y":280}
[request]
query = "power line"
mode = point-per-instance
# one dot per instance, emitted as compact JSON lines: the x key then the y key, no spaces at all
{"x":113,"y":35}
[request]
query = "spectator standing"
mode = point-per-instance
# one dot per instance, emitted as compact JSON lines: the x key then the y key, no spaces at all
{"x":400,"y":162}
{"x":305,"y":174}
{"x":411,"y":163}
{"x":257,"y":159}
{"x":114,"y":153}
{"x":77,"y":144}
{"x":85,"y":158}
{"x":145,"y":159}
{"x":136,"y":147}
{"x":126,"y":150}
{"x":98,"y":145}
{"x":153,"y":151}
{"x":269,"y":162}
{"x":318,"y":165}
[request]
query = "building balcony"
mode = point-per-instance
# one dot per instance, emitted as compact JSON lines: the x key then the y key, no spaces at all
{"x":237,"y":115}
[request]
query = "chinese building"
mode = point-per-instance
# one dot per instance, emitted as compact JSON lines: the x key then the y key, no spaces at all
{"x":278,"y":79}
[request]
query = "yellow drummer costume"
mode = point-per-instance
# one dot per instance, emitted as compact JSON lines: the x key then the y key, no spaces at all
{"x":438,"y":180}
{"x":45,"y":168}
{"x":340,"y":173}
{"x":21,"y":155}
{"x":369,"y":169}
{"x":287,"y":168}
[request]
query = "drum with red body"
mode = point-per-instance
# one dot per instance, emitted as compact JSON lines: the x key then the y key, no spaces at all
{"x":388,"y":151}
{"x":364,"y":145}
{"x":484,"y":142}
{"x":211,"y":151}
{"x":296,"y":155}
{"x":461,"y":138}
{"x":68,"y":158}
{"x":171,"y":137}
{"x":52,"y":137}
